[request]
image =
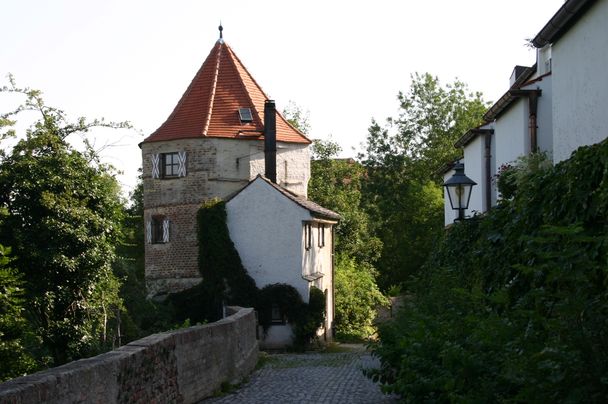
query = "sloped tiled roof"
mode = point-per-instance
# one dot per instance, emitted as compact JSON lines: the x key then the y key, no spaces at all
{"x":314,"y":208}
{"x":210,"y":105}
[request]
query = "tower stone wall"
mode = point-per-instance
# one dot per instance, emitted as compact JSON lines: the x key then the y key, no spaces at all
{"x":214,"y":167}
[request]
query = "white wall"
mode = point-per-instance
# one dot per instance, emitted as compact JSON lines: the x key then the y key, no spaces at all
{"x":544,"y":114}
{"x":268,"y":232}
{"x":511,"y":133}
{"x":293,"y":165}
{"x":474,"y":168}
{"x":580,"y":83}
{"x":266,"y":229}
{"x":319,"y":259}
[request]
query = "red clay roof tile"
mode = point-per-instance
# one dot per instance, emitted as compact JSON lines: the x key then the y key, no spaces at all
{"x":210,"y":105}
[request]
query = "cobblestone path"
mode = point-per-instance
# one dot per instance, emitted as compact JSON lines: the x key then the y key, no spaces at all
{"x":310,"y":378}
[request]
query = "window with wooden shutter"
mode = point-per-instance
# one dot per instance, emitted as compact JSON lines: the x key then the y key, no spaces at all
{"x":181,"y":170}
{"x":155,"y":165}
{"x":149,"y":232}
{"x":158,"y":230}
{"x":165,"y":230}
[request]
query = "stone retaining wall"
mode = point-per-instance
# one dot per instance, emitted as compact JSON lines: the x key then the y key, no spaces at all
{"x":181,"y":366}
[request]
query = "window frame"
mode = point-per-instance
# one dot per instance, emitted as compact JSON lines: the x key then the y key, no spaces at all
{"x":308,"y":236}
{"x":174,"y":165}
{"x":279,"y":319}
{"x":321,"y":234}
{"x":156,"y":227}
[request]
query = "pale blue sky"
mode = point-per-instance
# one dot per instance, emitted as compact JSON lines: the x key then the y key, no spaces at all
{"x":345,"y":61}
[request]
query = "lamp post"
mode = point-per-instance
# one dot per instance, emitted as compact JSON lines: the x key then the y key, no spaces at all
{"x":459,"y":188}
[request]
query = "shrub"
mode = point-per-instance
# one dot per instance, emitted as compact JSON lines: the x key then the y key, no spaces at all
{"x":357,"y":297}
{"x":513,"y":306}
{"x":305,"y":318}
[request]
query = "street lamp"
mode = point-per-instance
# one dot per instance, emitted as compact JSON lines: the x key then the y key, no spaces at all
{"x":459,"y":188}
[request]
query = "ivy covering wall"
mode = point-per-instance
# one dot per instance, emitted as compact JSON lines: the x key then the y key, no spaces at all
{"x":513,"y":306}
{"x":226,"y":282}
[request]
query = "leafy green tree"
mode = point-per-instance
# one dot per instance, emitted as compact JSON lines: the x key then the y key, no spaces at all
{"x":141,"y":316}
{"x":336,"y":184}
{"x":296,"y":116}
{"x":63,"y":223}
{"x":357,"y":297}
{"x":15,"y":360}
{"x":402,"y":194}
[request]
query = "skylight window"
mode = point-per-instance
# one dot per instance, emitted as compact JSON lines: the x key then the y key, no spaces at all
{"x":245,"y":115}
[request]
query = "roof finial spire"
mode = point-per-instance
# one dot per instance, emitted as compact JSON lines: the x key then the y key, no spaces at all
{"x":221,"y":29}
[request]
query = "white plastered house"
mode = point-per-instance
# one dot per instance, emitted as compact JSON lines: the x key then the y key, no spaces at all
{"x":284,"y":238}
{"x":555,"y":106}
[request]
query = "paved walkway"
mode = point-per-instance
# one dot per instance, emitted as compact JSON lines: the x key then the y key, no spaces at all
{"x":311,"y":378}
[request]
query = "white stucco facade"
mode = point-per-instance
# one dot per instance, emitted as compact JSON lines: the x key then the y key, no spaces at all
{"x":475,"y":169}
{"x":544,"y":114}
{"x":511,"y":133}
{"x":269,"y":230}
{"x":572,"y":76}
{"x":580,"y":83}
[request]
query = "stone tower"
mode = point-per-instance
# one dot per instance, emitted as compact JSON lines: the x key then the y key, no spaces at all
{"x":211,"y":145}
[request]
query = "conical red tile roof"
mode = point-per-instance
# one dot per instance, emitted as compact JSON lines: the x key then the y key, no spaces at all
{"x":210,"y":105}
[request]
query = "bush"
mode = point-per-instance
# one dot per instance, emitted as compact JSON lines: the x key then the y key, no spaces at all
{"x":513,"y":306}
{"x":357,"y":297}
{"x":304,"y":318}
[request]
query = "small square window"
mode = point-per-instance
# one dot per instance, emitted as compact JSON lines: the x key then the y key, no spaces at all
{"x":245,"y":115}
{"x":170,"y":165}
{"x":157,"y":229}
{"x":276,"y":315}
{"x":307,"y":236}
{"x":321,"y":235}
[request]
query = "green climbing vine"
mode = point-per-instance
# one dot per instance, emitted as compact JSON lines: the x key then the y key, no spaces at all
{"x":226,"y":281}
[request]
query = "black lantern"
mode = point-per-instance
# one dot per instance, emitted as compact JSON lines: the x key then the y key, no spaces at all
{"x":459,"y":188}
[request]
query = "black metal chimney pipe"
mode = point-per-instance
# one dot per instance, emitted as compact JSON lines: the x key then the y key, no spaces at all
{"x":270,"y":140}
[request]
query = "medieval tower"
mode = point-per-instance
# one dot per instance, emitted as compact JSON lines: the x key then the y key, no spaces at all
{"x":210,"y":146}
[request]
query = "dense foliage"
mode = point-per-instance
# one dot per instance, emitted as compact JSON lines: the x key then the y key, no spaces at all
{"x":62,"y":223}
{"x":357,"y":298}
{"x":15,"y":360}
{"x":401,"y":194}
{"x":306,"y":318}
{"x":336,"y":184}
{"x":513,"y":306}
{"x":225,"y":280}
{"x":140,"y":316}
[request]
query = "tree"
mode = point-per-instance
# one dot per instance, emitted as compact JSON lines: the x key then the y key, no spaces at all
{"x":298,"y":118}
{"x":402,"y":194}
{"x":357,"y":298}
{"x":63,"y":222}
{"x":14,"y":358}
{"x":336,"y":184}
